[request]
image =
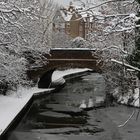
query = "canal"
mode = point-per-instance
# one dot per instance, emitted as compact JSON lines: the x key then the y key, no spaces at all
{"x":58,"y":117}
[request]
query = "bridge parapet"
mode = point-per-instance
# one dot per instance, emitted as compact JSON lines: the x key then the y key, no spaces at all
{"x":71,"y":53}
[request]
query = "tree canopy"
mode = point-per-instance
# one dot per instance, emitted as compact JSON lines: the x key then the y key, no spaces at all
{"x":24,"y":38}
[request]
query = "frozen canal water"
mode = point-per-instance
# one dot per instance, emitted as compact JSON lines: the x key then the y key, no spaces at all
{"x":58,"y":117}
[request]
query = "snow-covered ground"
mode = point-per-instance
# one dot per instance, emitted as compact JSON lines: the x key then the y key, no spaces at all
{"x":14,"y":102}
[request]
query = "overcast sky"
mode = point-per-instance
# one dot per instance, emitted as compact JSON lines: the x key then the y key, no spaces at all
{"x":66,"y":2}
{"x":63,"y":2}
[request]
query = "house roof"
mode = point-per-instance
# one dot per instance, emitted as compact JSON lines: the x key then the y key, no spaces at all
{"x":68,"y":12}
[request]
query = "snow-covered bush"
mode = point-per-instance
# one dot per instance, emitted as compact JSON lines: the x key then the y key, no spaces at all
{"x":80,"y":42}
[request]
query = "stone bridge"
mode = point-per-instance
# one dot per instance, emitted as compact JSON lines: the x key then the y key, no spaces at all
{"x":63,"y":58}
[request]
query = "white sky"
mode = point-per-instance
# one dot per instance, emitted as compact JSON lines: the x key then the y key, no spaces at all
{"x":66,"y":2}
{"x":63,"y":2}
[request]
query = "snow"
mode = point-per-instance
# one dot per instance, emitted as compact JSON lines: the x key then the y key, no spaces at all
{"x":125,"y":98}
{"x":15,"y":101}
{"x":136,"y":98}
{"x":9,"y":108}
{"x":82,"y":11}
{"x":66,"y":17}
{"x":11,"y":105}
{"x":126,"y":65}
{"x":84,"y":49}
{"x":133,"y":15}
{"x":58,"y":74}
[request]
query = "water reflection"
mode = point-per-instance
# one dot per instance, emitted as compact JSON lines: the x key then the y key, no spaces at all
{"x":60,"y":113}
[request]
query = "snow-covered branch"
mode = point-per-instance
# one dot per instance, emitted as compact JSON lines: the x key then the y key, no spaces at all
{"x":107,"y":2}
{"x":114,"y":47}
{"x":124,"y":64}
{"x":22,"y":27}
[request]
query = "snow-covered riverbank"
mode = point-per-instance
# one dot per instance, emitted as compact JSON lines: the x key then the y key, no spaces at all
{"x":130,"y":98}
{"x":15,"y":101}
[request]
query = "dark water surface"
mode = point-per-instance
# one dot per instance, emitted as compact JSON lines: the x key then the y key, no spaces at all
{"x":58,"y":116}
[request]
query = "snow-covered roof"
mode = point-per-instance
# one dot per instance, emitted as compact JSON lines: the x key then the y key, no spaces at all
{"x":67,"y":13}
{"x":67,"y":16}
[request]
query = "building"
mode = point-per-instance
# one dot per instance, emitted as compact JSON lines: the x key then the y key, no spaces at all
{"x":73,"y":22}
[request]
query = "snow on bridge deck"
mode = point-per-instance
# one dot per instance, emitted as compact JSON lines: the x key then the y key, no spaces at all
{"x":74,"y":49}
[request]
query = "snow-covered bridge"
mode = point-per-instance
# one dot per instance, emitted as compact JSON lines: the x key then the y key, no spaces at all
{"x":61,"y":58}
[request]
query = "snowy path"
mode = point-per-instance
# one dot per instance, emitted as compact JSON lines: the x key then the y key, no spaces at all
{"x":11,"y":105}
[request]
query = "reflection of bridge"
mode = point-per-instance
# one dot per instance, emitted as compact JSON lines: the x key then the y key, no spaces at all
{"x":69,"y":58}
